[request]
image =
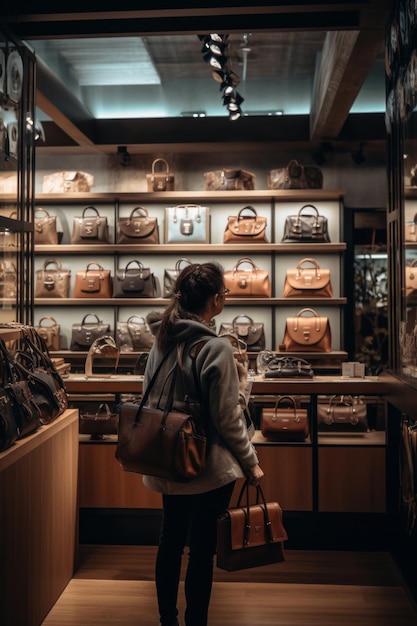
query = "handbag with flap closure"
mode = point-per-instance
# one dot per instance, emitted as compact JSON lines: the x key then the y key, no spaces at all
{"x":134,"y":335}
{"x":93,"y":282}
{"x":138,"y":227}
{"x":246,"y":227}
{"x":160,"y":178}
{"x":187,"y":223}
{"x":135,"y":282}
{"x":286,"y":421}
{"x":247,"y":283}
{"x":307,"y":332}
{"x":50,"y":333}
{"x":90,"y":229}
{"x":52,"y":283}
{"x":85,"y":333}
{"x":306,"y":227}
{"x":308,"y":282}
{"x":252,"y":333}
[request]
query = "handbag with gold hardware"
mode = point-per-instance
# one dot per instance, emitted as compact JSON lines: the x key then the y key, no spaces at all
{"x":52,"y":282}
{"x":85,"y":333}
{"x":295,"y":176}
{"x":135,"y":282}
{"x":45,"y":230}
{"x":306,"y":227}
{"x":102,"y":348}
{"x":102,"y":422}
{"x":287,"y":421}
{"x":247,"y":283}
{"x":50,"y":333}
{"x":134,"y":335}
{"x":229,"y":180}
{"x":245,"y":227}
{"x":308,"y":282}
{"x":90,"y":229}
{"x":342,"y":413}
{"x":252,"y":333}
{"x":306,"y":332}
{"x":160,"y":178}
{"x":187,"y":223}
{"x":138,"y":227}
{"x":93,"y":283}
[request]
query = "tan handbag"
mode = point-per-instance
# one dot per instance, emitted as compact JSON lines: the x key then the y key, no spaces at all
{"x":49,"y":333}
{"x":45,"y":230}
{"x":308,"y":282}
{"x":61,"y":182}
{"x":160,"y":178}
{"x":250,"y":283}
{"x":104,"y":348}
{"x":307,"y":332}
{"x":229,"y":180}
{"x":285,"y":423}
{"x":93,"y":283}
{"x":52,"y":282}
{"x":411,"y":230}
{"x":243,"y":228}
{"x":138,"y":228}
{"x":342,"y":413}
{"x":90,"y":229}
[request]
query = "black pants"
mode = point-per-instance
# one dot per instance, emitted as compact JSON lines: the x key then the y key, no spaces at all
{"x":192,"y":518}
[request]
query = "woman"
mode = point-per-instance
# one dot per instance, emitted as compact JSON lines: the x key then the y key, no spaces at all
{"x":190,"y":510}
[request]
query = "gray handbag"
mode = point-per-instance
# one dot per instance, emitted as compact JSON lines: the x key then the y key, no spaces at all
{"x":134,"y":335}
{"x":306,"y":227}
{"x":170,"y":276}
{"x":135,"y":282}
{"x":187,"y":223}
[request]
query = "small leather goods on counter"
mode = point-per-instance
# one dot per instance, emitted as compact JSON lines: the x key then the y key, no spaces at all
{"x":288,"y":367}
{"x":247,"y":283}
{"x":245,"y":227}
{"x":170,"y":276}
{"x":90,"y":229}
{"x":160,"y":178}
{"x":138,"y":228}
{"x":411,"y":230}
{"x":229,"y":180}
{"x":102,"y":422}
{"x":93,"y":282}
{"x":308,"y":282}
{"x":307,"y":332}
{"x":250,"y":535}
{"x":45,"y":229}
{"x":61,"y":182}
{"x":8,"y":280}
{"x":135,"y":281}
{"x":50,"y":332}
{"x":295,"y":176}
{"x":306,"y":227}
{"x":102,"y":348}
{"x":411,"y":280}
{"x":52,"y":281}
{"x":287,"y":421}
{"x":187,"y":223}
{"x":252,"y":333}
{"x":85,"y":333}
{"x":342,"y":413}
{"x":134,"y":335}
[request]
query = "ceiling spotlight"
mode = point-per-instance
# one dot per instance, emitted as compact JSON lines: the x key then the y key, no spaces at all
{"x":123,"y":156}
{"x":358,"y":155}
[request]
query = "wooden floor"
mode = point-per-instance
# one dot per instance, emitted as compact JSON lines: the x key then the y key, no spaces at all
{"x":114,"y":585}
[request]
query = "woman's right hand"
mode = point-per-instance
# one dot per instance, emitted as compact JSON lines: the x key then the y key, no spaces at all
{"x":255,"y":474}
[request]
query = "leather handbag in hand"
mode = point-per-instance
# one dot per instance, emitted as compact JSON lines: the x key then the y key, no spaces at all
{"x":93,"y":282}
{"x":286,"y":421}
{"x":250,"y":535}
{"x":90,"y":229}
{"x":246,"y":227}
{"x":295,"y":176}
{"x":102,"y":422}
{"x":50,"y":333}
{"x":8,"y":280}
{"x":170,"y":276}
{"x":103,"y":348}
{"x":52,"y":282}
{"x":160,"y":178}
{"x":135,"y":282}
{"x":45,"y":229}
{"x":342,"y":413}
{"x":247,"y":283}
{"x":308,"y":282}
{"x":134,"y":335}
{"x":252,"y":333}
{"x":307,"y":332}
{"x":229,"y":180}
{"x":288,"y":367}
{"x":85,"y":333}
{"x":411,"y":230}
{"x":187,"y":223}
{"x":138,"y":228}
{"x":306,"y":227}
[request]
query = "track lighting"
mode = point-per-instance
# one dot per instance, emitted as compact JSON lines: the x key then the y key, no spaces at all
{"x":123,"y":155}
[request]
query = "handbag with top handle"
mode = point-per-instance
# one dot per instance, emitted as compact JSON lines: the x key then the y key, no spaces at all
{"x":45,"y":228}
{"x":52,"y":281}
{"x":247,"y":283}
{"x":229,"y":180}
{"x":307,"y":226}
{"x":103,"y":348}
{"x":160,"y":178}
{"x":134,"y":335}
{"x":93,"y":282}
{"x":187,"y":223}
{"x":286,"y":421}
{"x":342,"y":412}
{"x":90,"y":229}
{"x":246,"y":227}
{"x":50,"y":332}
{"x":135,"y":281}
{"x":102,"y":422}
{"x":83,"y":334}
{"x":295,"y":176}
{"x":138,"y":228}
{"x":170,"y":276}
{"x":287,"y":367}
{"x":305,"y":281}
{"x":252,"y":333}
{"x":307,"y":332}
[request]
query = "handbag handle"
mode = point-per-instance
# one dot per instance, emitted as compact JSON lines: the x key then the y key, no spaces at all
{"x":139,"y":209}
{"x":51,"y":319}
{"x":337,"y":400}
{"x":245,"y":260}
{"x":260,"y":498}
{"x":102,"y":346}
{"x":137,"y":317}
{"x":242,"y":316}
{"x":186,"y":207}
{"x":247,"y":208}
{"x":90,"y":208}
{"x":87,"y":269}
{"x":307,"y":260}
{"x":40,"y":210}
{"x":179,"y":263}
{"x":55,"y":262}
{"x":98,"y":320}
{"x":138,"y":263}
{"x":103,"y":410}
{"x":314,"y":314}
{"x":160,"y":160}
{"x":309,"y":206}
{"x":294,"y":407}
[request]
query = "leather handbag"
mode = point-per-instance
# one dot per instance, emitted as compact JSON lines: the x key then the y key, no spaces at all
{"x":295,"y":176}
{"x":102,"y":422}
{"x":306,"y":227}
{"x":411,"y":230}
{"x":307,"y":332}
{"x":187,"y":223}
{"x":8,"y":425}
{"x":52,"y":281}
{"x":85,"y":333}
{"x":62,"y":182}
{"x":162,"y":442}
{"x":134,"y":335}
{"x":170,"y":276}
{"x":342,"y":413}
{"x":308,"y":282}
{"x":8,"y":280}
{"x":138,"y":228}
{"x":246,"y":227}
{"x":45,"y":228}
{"x":229,"y":180}
{"x":50,"y":333}
{"x":250,"y":535}
{"x":247,"y":283}
{"x":90,"y":229}
{"x":160,"y":178}
{"x":104,"y":348}
{"x":288,"y":367}
{"x":411,"y":281}
{"x":135,"y":282}
{"x":252,"y":333}
{"x":285,"y":423}
{"x":93,"y":282}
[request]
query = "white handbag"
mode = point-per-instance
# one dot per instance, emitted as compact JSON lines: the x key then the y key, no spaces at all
{"x":187,"y":223}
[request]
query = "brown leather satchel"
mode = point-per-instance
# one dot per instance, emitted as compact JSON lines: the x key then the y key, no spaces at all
{"x":134,"y":335}
{"x":308,"y":282}
{"x":45,"y":230}
{"x":295,"y":176}
{"x":135,"y":282}
{"x":342,"y":413}
{"x":229,"y":180}
{"x":250,"y":283}
{"x":102,"y":422}
{"x":85,"y":333}
{"x":307,"y":332}
{"x":306,"y":227}
{"x":160,"y":178}
{"x":243,"y":326}
{"x":52,"y":283}
{"x":138,"y":228}
{"x":49,"y":333}
{"x":246,"y":228}
{"x":285,"y":423}
{"x":93,"y":283}
{"x":90,"y":229}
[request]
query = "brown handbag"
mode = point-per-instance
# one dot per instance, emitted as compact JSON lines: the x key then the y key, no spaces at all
{"x":50,"y":333}
{"x":342,"y":413}
{"x":243,"y":326}
{"x":103,"y":347}
{"x":295,"y":176}
{"x":285,"y":423}
{"x":52,"y":283}
{"x":85,"y":333}
{"x":243,"y":228}
{"x":170,"y":276}
{"x":251,"y":283}
{"x":102,"y":422}
{"x":138,"y":228}
{"x":136,"y":282}
{"x":93,"y":283}
{"x":306,"y":227}
{"x":229,"y":180}
{"x":45,"y":230}
{"x":308,"y":282}
{"x":160,"y":178}
{"x":307,"y":332}
{"x":90,"y":229}
{"x":134,"y":335}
